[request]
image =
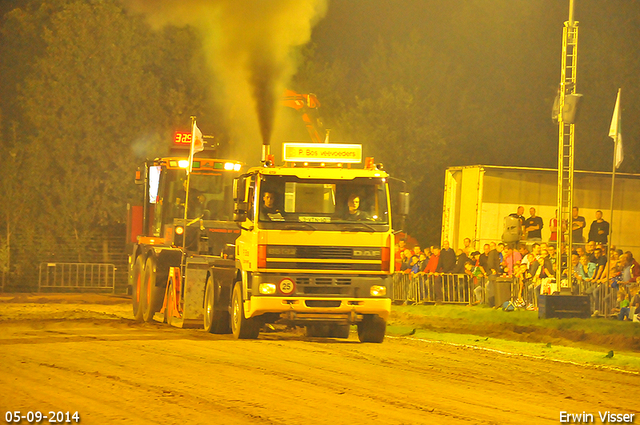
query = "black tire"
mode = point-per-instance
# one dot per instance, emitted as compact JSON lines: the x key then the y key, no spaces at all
{"x":327,"y":330}
{"x":241,"y":327}
{"x":340,"y":331}
{"x":372,"y":328}
{"x":138,"y":290}
{"x":315,"y":331}
{"x":215,"y":321}
{"x":154,"y":296}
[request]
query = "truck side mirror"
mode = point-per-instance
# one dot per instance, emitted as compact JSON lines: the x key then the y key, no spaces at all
{"x":403,"y":203}
{"x":239,"y":189}
{"x":240,"y":211}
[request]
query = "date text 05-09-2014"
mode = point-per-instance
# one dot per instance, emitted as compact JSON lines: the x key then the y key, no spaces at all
{"x":59,"y":417}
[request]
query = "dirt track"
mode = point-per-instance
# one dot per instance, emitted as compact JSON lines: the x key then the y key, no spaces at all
{"x":91,"y":359}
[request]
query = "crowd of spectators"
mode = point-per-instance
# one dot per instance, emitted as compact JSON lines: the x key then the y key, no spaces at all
{"x":531,"y":263}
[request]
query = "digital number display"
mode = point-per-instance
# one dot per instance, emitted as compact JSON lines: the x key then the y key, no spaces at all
{"x":182,"y":138}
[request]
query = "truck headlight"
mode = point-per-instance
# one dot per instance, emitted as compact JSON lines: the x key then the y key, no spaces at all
{"x":378,"y":291}
{"x":267,"y":288}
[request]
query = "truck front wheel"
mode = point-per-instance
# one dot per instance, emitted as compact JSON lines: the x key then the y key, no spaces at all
{"x":242,"y":327}
{"x":372,"y":328}
{"x":154,"y":296}
{"x":137,"y":298}
{"x":215,"y":321}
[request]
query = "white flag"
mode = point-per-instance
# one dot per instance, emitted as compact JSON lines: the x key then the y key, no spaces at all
{"x":615,"y":132}
{"x":197,"y":144}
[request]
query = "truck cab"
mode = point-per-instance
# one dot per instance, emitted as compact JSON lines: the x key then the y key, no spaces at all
{"x":174,"y":224}
{"x":316,"y":245}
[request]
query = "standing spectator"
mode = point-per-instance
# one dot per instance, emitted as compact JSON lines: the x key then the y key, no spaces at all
{"x":578,"y":224}
{"x":483,"y":260}
{"x":510,"y":259}
{"x":474,"y":269}
{"x":406,"y":261}
{"x":519,"y":214}
{"x":415,"y":264}
{"x":599,"y":230}
{"x":544,"y":273}
{"x":589,"y":249}
{"x":447,"y":258}
{"x":473,"y":272}
{"x":417,"y":251}
{"x":401,"y":246}
{"x":500,"y":247}
{"x":524,"y":252}
{"x":434,"y":268}
{"x":634,"y":268}
{"x":552,"y":254}
{"x":461,"y":260}
{"x":587,"y":269}
{"x":493,"y":263}
{"x":606,"y":289}
{"x":422,"y":263}
{"x":521,"y":273}
{"x":533,"y":226}
{"x":433,"y":265}
{"x":553,"y":227}
{"x":536,"y":250}
{"x":467,"y":247}
{"x":576,"y":268}
{"x":601,"y":263}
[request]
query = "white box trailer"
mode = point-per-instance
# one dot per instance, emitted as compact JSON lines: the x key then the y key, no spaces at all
{"x":478,"y":198}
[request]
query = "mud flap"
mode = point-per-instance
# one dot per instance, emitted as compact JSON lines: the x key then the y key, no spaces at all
{"x":194,"y":286}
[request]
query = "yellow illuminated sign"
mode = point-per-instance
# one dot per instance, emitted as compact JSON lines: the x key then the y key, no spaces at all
{"x":322,"y":152}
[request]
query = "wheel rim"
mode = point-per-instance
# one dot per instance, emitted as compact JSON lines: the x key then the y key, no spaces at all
{"x":236,"y":311}
{"x":209,"y":311}
{"x":138,"y":284}
{"x":149,"y":291}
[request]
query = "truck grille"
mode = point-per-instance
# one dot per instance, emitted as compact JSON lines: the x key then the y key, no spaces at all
{"x":323,"y":285}
{"x":323,"y":266}
{"x":329,"y":258}
{"x":324,"y":252}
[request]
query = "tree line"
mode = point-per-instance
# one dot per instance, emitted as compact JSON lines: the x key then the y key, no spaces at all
{"x":89,"y":90}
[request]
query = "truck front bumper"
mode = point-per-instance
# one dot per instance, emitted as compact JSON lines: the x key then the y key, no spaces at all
{"x":299,"y":309}
{"x":319,"y":297}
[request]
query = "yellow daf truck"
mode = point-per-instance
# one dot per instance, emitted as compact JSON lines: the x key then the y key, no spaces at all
{"x":315,"y":247}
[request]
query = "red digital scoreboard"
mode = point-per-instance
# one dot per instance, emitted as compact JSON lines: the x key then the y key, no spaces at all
{"x":182,"y":139}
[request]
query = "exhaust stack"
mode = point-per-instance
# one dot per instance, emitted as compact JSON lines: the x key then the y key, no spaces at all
{"x":266,"y":152}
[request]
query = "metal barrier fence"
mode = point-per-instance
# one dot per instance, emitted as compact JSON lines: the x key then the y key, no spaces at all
{"x":464,"y":289}
{"x":77,"y":276}
{"x":445,"y":288}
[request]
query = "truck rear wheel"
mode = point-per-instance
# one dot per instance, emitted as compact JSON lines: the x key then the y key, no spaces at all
{"x":372,"y":328}
{"x":168,"y":309}
{"x":215,"y":321}
{"x":153,"y":294}
{"x":327,"y":330}
{"x":242,"y":327}
{"x":137,"y":298}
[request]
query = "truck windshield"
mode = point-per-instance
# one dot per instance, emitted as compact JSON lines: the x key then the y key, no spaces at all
{"x":210,"y":195}
{"x":289,"y":199}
